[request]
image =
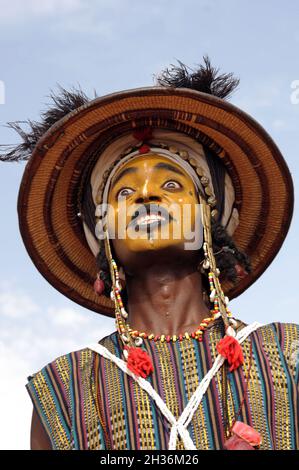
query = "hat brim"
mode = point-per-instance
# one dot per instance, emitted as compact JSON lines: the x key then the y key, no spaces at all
{"x":47,"y":203}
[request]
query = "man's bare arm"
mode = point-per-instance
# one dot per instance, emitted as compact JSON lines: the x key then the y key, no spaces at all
{"x":39,"y":439}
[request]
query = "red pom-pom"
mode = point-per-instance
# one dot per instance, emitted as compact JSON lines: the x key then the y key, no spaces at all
{"x":143,"y":134}
{"x":244,"y":437}
{"x":231,"y":349}
{"x":139,"y":362}
{"x":248,"y":433}
{"x":144,"y":149}
{"x":99,"y":286}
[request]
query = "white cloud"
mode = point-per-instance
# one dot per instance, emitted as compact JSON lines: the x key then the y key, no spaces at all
{"x":16,"y":304}
{"x":67,"y":317}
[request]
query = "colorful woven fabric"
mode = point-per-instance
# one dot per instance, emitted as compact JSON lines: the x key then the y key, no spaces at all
{"x":86,"y":402}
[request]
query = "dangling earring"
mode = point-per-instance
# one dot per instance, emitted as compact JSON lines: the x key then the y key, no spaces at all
{"x":99,"y":285}
{"x":209,"y":264}
{"x":138,"y":361}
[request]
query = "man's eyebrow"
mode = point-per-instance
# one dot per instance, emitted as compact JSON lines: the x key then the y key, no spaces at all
{"x":130,"y":169}
{"x":168,"y":166}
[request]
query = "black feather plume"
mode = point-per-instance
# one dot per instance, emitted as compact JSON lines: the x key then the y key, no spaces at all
{"x":64,"y":101}
{"x":205,"y":78}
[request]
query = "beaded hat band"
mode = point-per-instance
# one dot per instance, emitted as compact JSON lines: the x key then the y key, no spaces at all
{"x":188,"y":153}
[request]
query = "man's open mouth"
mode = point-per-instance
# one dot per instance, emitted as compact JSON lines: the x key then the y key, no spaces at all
{"x":150,"y":216}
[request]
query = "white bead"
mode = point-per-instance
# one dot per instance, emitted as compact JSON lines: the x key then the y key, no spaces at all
{"x":226,"y":300}
{"x":213,"y":295}
{"x":217,"y":315}
{"x":124,"y":314}
{"x":206,"y":264}
{"x":112,"y":295}
{"x":126,"y":354}
{"x":118,"y":285}
{"x":138,"y":341}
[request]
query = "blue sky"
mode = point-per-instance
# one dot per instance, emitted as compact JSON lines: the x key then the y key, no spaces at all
{"x":109,"y":45}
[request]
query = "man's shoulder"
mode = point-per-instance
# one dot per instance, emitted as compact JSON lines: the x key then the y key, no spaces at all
{"x":279,"y":328}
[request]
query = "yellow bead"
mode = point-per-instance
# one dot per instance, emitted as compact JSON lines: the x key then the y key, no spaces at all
{"x":187,"y":335}
{"x":162,"y":338}
{"x":174,"y":338}
{"x":151,"y":336}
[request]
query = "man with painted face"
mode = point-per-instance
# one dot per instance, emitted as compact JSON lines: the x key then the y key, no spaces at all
{"x":161,"y":205}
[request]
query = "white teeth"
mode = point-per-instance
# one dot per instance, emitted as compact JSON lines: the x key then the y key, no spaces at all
{"x":149,"y":218}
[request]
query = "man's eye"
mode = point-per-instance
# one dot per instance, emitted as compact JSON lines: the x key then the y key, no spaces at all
{"x":124,"y":192}
{"x":172,"y":185}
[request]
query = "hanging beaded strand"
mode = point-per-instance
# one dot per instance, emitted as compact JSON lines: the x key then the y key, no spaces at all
{"x":120,"y":312}
{"x":216,"y":293}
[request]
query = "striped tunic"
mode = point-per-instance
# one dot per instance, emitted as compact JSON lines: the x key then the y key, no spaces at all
{"x":85,"y":401}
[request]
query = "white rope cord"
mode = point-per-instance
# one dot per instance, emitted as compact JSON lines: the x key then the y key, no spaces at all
{"x":149,"y":389}
{"x":178,"y":426}
{"x":197,"y":396}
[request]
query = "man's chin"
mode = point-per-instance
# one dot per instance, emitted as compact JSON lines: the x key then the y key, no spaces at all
{"x":142,"y":245}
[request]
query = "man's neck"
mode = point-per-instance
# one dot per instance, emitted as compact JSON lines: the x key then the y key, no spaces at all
{"x":166,"y":300}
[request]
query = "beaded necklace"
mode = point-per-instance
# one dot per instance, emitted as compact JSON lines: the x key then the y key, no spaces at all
{"x":197,"y":334}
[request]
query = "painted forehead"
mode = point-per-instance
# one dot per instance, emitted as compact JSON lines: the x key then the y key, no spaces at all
{"x":157,"y":162}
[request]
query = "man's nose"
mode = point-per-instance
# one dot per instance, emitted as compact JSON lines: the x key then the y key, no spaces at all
{"x":147,"y":194}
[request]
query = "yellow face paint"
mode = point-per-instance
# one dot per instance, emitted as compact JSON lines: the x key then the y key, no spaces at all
{"x":160,"y":185}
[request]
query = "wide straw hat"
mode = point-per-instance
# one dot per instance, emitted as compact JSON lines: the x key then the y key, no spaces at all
{"x":48,"y":196}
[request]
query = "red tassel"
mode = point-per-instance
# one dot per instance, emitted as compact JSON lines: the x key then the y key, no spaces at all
{"x":244,"y":437}
{"x":236,"y":443}
{"x":143,"y":134}
{"x":139,"y":362}
{"x":231,"y":349}
{"x":248,"y":433}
